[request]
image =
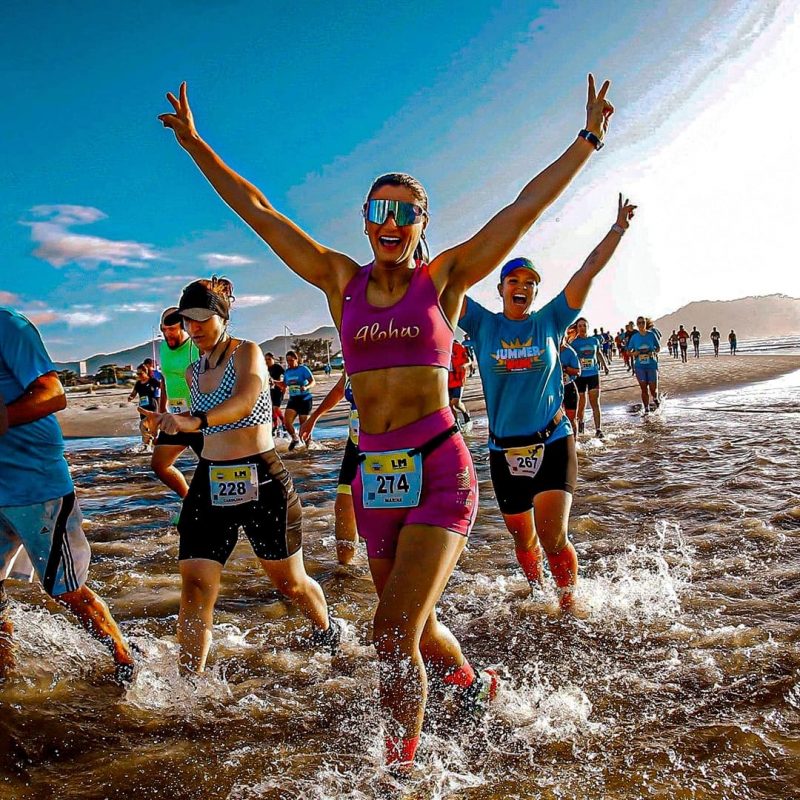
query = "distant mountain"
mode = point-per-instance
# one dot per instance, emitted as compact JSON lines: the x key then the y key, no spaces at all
{"x":276,"y":344}
{"x":750,"y":317}
{"x":135,"y":355}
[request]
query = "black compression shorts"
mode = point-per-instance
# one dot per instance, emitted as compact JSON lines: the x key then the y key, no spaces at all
{"x":300,"y":406}
{"x":349,"y":467}
{"x":273,"y":521}
{"x":558,"y":470}
{"x":570,"y":396}
{"x":590,"y":382}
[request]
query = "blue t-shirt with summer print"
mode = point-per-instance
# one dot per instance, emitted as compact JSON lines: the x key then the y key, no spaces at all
{"x":296,"y":378}
{"x":520,"y":367}
{"x":648,"y":345}
{"x":587,"y":348}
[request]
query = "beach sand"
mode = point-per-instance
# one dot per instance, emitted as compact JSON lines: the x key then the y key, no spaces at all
{"x":107,"y":413}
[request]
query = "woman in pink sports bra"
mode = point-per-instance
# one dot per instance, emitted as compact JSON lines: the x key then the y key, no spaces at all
{"x":415,"y":494}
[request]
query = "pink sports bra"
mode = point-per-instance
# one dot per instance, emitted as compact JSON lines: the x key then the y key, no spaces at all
{"x":413,"y":332}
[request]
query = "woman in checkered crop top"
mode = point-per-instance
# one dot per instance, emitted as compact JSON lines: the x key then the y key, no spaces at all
{"x":240,"y":481}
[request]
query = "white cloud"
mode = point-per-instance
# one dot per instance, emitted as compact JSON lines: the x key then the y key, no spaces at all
{"x":251,"y":300}
{"x":68,"y":214}
{"x":137,"y":308}
{"x":8,"y":298}
{"x":83,"y":319}
{"x":122,"y":286}
{"x":59,"y":246}
{"x":226,"y":260}
{"x":75,"y":318}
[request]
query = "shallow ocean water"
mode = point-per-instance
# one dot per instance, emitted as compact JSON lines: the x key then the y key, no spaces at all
{"x":682,"y":680}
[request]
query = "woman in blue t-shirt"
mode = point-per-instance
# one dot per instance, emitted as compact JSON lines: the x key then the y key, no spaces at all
{"x":591,"y":357}
{"x":571,"y":369}
{"x":299,"y":380}
{"x":531,"y":447}
{"x":645,"y":344}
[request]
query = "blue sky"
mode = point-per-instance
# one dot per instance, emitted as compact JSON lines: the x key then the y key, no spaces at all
{"x":105,"y":218}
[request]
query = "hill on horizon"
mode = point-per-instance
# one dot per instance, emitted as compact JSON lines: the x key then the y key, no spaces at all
{"x":136,"y":354}
{"x":751,"y":317}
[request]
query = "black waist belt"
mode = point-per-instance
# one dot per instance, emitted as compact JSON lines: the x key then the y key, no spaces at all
{"x":529,"y":438}
{"x":426,"y":449}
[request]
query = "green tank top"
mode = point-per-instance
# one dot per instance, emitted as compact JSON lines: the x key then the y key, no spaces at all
{"x":174,"y":364}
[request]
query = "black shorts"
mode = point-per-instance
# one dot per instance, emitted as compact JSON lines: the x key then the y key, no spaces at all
{"x":193,"y":440}
{"x":273,"y":522}
{"x":590,"y":382}
{"x":347,"y":472}
{"x":300,"y":406}
{"x":570,"y":396}
{"x":559,"y":470}
{"x":276,"y":397}
{"x":455,"y":392}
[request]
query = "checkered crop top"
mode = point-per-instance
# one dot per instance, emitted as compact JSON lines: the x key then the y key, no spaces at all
{"x":205,"y":401}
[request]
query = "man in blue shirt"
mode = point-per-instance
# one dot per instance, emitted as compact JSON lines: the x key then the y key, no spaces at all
{"x":532,"y":457}
{"x":40,"y":520}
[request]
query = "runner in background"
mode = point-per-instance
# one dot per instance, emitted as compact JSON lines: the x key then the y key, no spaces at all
{"x":469,"y":347}
{"x":41,"y":532}
{"x":176,"y":353}
{"x":715,"y":337}
{"x":344,"y":513}
{"x":571,"y":368}
{"x":588,"y":382}
{"x":626,"y":337}
{"x":732,"y":341}
{"x":695,"y":334}
{"x":619,"y":341}
{"x":277,"y":388}
{"x":645,"y":345}
{"x":148,"y":390}
{"x":683,"y":343}
{"x":156,"y":375}
{"x":456,"y":378}
{"x":606,"y":344}
{"x":299,"y":381}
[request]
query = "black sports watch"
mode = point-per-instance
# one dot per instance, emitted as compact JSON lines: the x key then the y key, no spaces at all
{"x":592,"y":139}
{"x":201,"y":415}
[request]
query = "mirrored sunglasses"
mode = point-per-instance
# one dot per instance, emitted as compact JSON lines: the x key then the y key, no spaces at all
{"x":377,"y":211}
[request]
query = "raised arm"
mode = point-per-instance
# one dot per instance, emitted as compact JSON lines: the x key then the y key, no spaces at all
{"x":315,"y":263}
{"x":469,"y":262}
{"x":578,"y":287}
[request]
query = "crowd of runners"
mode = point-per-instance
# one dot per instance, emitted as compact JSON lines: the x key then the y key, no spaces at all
{"x":407,"y":485}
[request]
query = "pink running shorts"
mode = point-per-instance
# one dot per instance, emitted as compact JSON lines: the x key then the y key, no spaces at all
{"x":449,"y":487}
